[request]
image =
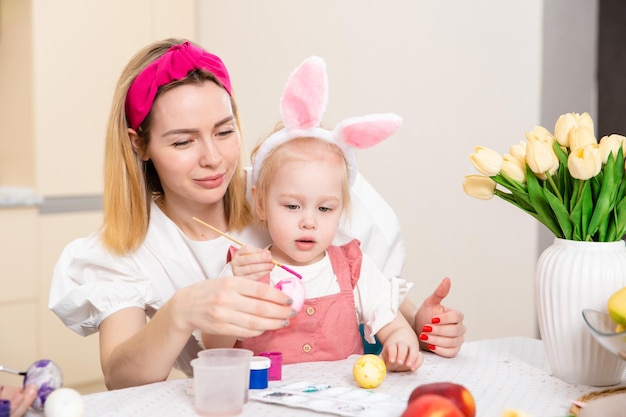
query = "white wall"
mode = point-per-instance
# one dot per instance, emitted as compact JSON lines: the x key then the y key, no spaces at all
{"x":462,"y":74}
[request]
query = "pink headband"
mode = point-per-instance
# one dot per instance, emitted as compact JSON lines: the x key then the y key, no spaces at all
{"x":173,"y":65}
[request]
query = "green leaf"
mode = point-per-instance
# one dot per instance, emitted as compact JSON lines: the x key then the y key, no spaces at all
{"x":606,"y":198}
{"x":538,"y":201}
{"x":561,"y":213}
{"x":586,"y":200}
{"x":620,"y":218}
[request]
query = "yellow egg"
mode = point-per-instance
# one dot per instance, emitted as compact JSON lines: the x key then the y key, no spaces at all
{"x":617,"y":306}
{"x":369,"y":371}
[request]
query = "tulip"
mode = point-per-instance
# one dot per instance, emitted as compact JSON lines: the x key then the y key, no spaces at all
{"x":479,"y":186}
{"x":519,"y":150}
{"x":486,"y":161}
{"x":541,"y":158}
{"x":611,"y":144}
{"x":566,"y":122}
{"x":586,"y":120}
{"x":585,"y":163}
{"x":563,"y":125}
{"x":581,"y":136}
{"x":514,"y":168}
{"x":539,"y":133}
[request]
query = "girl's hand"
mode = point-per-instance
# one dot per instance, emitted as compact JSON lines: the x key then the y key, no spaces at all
{"x":401,"y":351}
{"x":251,"y":262}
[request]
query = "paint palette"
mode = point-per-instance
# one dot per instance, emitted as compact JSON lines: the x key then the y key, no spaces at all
{"x":337,"y":400}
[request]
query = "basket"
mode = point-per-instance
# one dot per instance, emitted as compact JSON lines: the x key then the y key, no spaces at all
{"x":575,"y":408}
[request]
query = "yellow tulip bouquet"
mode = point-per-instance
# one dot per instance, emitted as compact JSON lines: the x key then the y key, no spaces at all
{"x":569,"y":181}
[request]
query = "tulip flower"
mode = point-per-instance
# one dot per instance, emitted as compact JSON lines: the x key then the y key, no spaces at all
{"x":486,"y":161}
{"x":581,"y":136}
{"x":514,"y":168}
{"x":611,"y":144}
{"x":539,"y":133}
{"x":519,"y":150}
{"x":585,"y":163}
{"x":565,"y":180}
{"x":566,"y":122}
{"x":541,"y":158}
{"x":479,"y":186}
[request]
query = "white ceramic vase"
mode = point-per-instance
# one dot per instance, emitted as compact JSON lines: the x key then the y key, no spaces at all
{"x":571,"y":276}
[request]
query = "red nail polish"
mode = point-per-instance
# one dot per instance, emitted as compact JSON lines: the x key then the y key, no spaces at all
{"x":435,"y":320}
{"x":427,"y":329}
{"x":432,"y":347}
{"x":423,"y":336}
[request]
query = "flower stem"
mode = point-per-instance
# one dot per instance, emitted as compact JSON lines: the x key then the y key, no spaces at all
{"x":554,"y":187}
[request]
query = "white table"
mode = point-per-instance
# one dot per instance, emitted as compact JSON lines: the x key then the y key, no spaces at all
{"x":500,"y":373}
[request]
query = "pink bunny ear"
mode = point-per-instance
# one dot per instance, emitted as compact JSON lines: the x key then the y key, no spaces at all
{"x":366,"y":131}
{"x":305,"y":95}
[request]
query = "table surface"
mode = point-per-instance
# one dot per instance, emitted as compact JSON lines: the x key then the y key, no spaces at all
{"x":500,"y":373}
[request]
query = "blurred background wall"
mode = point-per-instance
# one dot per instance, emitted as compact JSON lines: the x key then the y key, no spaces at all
{"x":461,"y":73}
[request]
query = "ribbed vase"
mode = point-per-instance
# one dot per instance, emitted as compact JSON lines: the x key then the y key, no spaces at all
{"x":571,"y":276}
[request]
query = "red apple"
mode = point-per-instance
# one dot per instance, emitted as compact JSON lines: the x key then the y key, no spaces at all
{"x":432,"y":405}
{"x":456,"y":393}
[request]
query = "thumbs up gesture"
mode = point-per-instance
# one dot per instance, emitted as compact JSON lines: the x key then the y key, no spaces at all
{"x":440,"y":329}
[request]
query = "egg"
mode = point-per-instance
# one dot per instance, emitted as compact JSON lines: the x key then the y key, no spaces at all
{"x":369,"y":371}
{"x":64,"y":402}
{"x":294,"y":288}
{"x":47,"y":376}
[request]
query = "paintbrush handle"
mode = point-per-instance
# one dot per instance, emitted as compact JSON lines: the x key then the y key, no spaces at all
{"x":219,"y":231}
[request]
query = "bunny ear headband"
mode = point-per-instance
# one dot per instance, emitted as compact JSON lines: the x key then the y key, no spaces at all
{"x":302,"y":105}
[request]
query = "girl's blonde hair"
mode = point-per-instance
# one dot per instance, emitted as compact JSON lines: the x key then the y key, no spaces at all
{"x":130,"y":184}
{"x":300,"y":148}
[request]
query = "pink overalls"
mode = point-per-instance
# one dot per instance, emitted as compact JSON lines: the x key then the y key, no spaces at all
{"x":326,"y":328}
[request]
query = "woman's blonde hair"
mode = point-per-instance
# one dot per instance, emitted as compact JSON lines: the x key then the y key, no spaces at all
{"x":300,"y":148}
{"x":130,"y":184}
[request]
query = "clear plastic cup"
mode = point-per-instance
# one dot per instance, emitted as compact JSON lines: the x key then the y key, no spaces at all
{"x":220,"y":381}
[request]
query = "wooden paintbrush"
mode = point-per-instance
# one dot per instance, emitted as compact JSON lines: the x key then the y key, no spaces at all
{"x":278,"y":264}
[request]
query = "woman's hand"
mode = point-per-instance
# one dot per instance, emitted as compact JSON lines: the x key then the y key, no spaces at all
{"x":439,"y":328}
{"x":234,"y":306}
{"x":21,"y":398}
{"x":132,"y":351}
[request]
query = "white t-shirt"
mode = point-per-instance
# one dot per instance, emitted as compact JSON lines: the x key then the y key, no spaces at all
{"x":90,"y":283}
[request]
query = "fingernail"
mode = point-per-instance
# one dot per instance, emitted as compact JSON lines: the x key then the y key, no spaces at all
{"x":286,"y":323}
{"x":435,"y":320}
{"x":427,"y":329}
{"x":432,"y":347}
{"x":423,"y":336}
{"x":289,"y":301}
{"x":293,"y":314}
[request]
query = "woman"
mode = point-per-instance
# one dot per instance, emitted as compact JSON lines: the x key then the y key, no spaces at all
{"x":174,"y":152}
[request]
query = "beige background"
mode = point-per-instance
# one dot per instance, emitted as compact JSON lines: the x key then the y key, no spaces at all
{"x":462,"y":73}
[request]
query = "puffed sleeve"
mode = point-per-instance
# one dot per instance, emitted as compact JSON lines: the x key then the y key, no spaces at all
{"x":89,"y":284}
{"x":375,"y":224}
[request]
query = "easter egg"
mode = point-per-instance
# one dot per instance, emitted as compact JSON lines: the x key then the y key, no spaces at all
{"x":64,"y":402}
{"x":294,"y":288}
{"x":47,"y":376}
{"x":369,"y":371}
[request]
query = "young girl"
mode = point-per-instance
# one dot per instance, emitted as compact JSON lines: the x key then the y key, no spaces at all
{"x":301,"y":182}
